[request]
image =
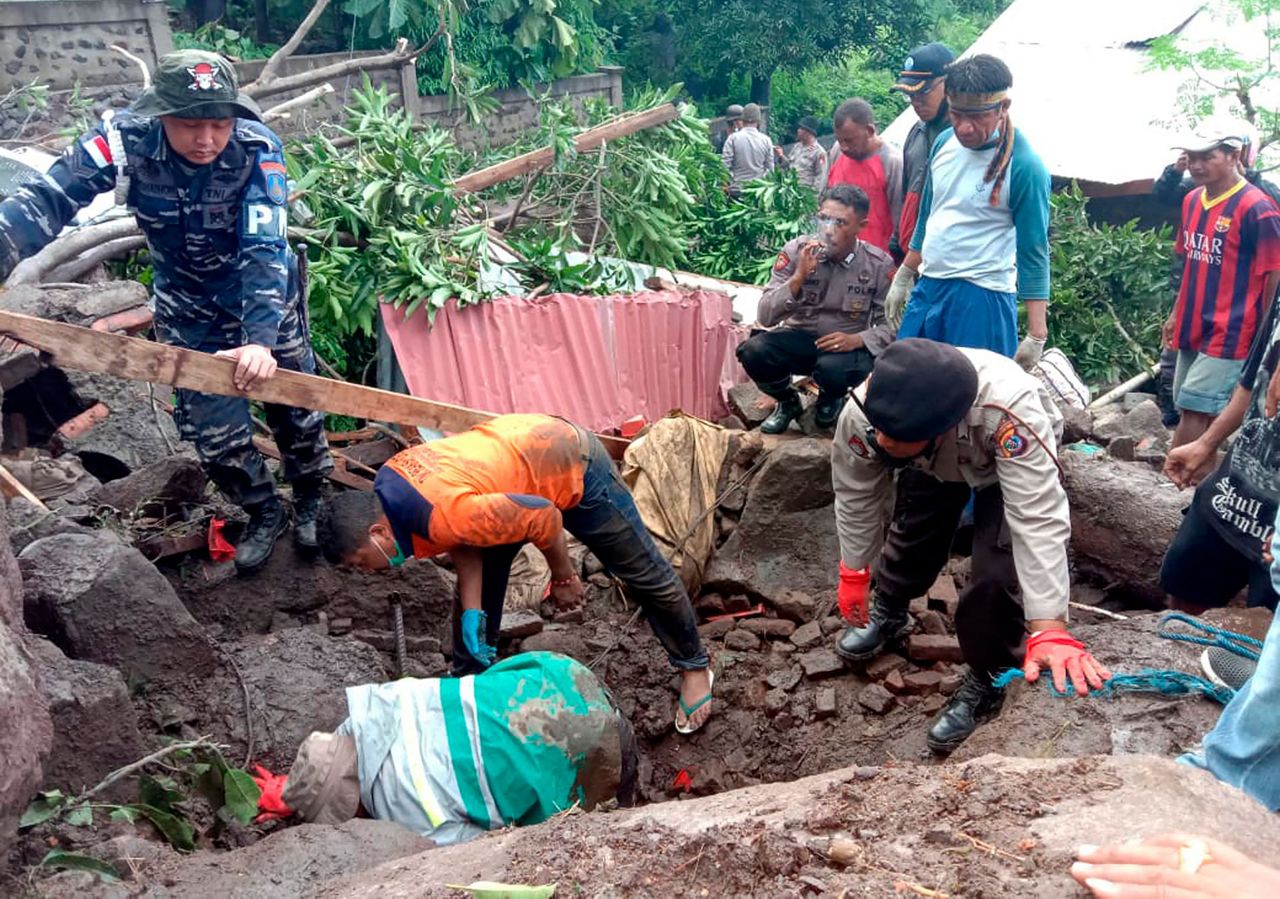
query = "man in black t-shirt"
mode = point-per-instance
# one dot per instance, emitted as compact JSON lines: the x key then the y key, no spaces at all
{"x":1218,"y":549}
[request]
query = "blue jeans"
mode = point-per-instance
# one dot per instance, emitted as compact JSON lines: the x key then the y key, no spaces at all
{"x":1243,"y":749}
{"x":608,"y":523}
{"x":959,"y":312}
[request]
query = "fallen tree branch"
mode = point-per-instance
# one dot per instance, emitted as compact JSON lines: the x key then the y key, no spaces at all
{"x":86,"y":261}
{"x":281,"y":111}
{"x":400,"y":55}
{"x":140,"y":63}
{"x":474,"y":182}
{"x":277,"y":59}
{"x":119,"y":773}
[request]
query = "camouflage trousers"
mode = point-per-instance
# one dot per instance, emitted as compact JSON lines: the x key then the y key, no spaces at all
{"x":221,"y":426}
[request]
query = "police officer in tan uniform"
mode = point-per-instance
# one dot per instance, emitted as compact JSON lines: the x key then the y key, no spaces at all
{"x":974,"y":421}
{"x":827,"y":298}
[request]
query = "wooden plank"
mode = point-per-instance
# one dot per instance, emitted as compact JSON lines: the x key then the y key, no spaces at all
{"x":135,"y":359}
{"x":587,"y":140}
{"x":10,"y":486}
{"x":339,"y":475}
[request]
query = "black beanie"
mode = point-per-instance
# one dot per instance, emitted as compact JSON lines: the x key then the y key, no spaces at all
{"x":919,"y":389}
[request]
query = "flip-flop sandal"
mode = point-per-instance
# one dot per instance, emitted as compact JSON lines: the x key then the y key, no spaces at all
{"x":690,"y":709}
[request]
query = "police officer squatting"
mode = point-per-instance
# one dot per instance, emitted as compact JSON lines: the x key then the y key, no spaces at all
{"x":206,"y":182}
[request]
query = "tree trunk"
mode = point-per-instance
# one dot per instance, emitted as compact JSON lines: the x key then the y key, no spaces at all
{"x":209,"y":11}
{"x":761,"y":88}
{"x":1123,"y":518}
{"x":261,"y":21}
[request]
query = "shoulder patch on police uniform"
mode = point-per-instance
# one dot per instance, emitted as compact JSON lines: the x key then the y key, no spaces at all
{"x":783,"y":261}
{"x":859,"y":446}
{"x":277,"y":184}
{"x":1010,"y":442}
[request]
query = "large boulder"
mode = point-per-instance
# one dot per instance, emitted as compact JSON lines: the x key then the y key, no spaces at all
{"x":1036,"y":722}
{"x":104,"y":602}
{"x":95,"y":728}
{"x":990,"y":827}
{"x":1123,"y":517}
{"x":786,"y":537}
{"x":296,"y":682}
{"x":1143,"y":421}
{"x":26,"y":733}
{"x":137,"y":433}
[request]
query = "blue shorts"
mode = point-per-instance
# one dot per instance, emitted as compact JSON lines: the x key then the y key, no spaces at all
{"x":959,"y":312}
{"x":1204,"y":383}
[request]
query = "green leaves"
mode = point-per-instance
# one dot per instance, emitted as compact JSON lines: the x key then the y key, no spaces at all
{"x":242,"y":795}
{"x":45,"y":806}
{"x":178,"y":831}
{"x":58,"y":860}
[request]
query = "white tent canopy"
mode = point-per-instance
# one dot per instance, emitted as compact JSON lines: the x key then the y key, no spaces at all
{"x":1085,"y":93}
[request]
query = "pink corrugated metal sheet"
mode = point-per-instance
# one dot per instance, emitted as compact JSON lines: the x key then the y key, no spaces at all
{"x":594,"y":360}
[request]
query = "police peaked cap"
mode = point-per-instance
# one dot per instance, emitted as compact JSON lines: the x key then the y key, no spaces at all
{"x":919,"y":389}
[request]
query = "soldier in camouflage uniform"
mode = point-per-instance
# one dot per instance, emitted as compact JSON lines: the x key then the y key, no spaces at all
{"x":206,"y":182}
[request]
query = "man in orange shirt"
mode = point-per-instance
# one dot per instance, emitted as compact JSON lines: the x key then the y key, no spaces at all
{"x":859,"y":157}
{"x":480,"y":496}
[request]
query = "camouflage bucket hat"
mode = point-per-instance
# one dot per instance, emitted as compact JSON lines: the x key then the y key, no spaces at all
{"x":196,"y":84}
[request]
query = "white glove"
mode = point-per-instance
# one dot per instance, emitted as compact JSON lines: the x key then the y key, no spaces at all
{"x":1029,"y":352}
{"x":895,"y":301}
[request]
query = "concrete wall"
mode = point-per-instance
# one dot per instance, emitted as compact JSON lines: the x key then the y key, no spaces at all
{"x":64,"y":42}
{"x":519,"y":112}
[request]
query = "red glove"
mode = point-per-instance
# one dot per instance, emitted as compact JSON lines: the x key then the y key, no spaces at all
{"x":1065,"y":656}
{"x":220,"y":550}
{"x":851,"y":595}
{"x":271,"y":802}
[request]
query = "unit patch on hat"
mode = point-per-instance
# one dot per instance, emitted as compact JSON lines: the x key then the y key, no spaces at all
{"x":859,"y":446}
{"x":1010,"y":444}
{"x":909,"y":64}
{"x":204,"y":77}
{"x":783,"y":261}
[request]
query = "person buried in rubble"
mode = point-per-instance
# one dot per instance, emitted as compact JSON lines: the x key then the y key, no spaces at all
{"x":480,"y":496}
{"x":826,"y":296}
{"x":972,"y":421}
{"x":452,"y":758}
{"x":205,"y":180}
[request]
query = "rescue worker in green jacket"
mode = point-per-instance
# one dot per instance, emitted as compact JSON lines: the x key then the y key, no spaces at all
{"x":452,"y":758}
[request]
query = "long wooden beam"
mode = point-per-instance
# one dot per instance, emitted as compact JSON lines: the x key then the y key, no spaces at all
{"x":134,"y":359}
{"x":587,"y":140}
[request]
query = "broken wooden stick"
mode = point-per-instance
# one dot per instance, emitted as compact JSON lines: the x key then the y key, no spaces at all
{"x":587,"y":140}
{"x":10,"y":487}
{"x":134,"y":359}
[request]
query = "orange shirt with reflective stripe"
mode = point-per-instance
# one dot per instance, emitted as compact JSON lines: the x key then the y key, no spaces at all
{"x":468,"y":478}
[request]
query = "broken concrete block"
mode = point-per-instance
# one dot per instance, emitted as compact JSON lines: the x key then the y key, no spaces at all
{"x":895,"y":683}
{"x":1122,"y":448}
{"x":932,"y":622}
{"x":741,"y":640}
{"x":934,"y":648}
{"x":923,"y":682}
{"x":95,"y":728}
{"x":159,"y":489}
{"x":943,"y":596}
{"x":750,"y":405}
{"x":807,"y":636}
{"x":824,"y":703}
{"x":933,"y":704}
{"x":1077,"y":424}
{"x":104,"y":602}
{"x":798,"y":607}
{"x":882,"y":666}
{"x":833,"y":624}
{"x":769,"y":627}
{"x":709,"y":604}
{"x":713,"y":629}
{"x":135,"y":434}
{"x":950,"y":682}
{"x":819,"y":663}
{"x":784,"y":678}
{"x":775,"y":701}
{"x":919,"y":605}
{"x":519,"y":624}
{"x":876,"y":698}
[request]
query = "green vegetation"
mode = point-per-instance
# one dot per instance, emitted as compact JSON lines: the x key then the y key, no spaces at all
{"x":1110,"y":290}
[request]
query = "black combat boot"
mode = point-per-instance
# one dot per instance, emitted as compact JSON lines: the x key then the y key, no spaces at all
{"x":857,"y":644}
{"x":306,"y":509}
{"x":787,"y":410}
{"x":267,"y":522}
{"x":974,"y":702}
{"x":827,"y":410}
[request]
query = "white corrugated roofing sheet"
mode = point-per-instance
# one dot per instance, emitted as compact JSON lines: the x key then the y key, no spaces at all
{"x":1084,"y":93}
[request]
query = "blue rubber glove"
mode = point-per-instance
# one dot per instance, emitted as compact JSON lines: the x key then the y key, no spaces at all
{"x":475,"y":632}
